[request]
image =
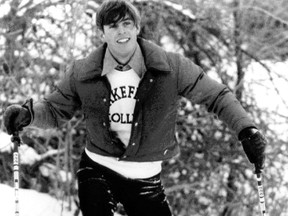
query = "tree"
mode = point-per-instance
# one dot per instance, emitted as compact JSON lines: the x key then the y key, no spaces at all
{"x":219,"y":37}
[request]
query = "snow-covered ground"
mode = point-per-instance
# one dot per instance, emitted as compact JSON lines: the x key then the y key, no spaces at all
{"x":31,"y":203}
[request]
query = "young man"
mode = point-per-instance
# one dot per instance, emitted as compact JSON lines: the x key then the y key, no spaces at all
{"x":128,"y":90}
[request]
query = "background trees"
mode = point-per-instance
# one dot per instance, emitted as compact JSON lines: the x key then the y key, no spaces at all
{"x":233,"y":40}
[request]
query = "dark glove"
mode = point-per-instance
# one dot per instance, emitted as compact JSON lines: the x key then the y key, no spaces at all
{"x":254,"y":144}
{"x":16,"y":117}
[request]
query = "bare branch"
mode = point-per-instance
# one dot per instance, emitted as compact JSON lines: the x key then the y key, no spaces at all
{"x":256,"y":8}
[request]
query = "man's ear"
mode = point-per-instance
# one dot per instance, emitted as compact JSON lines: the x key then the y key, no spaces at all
{"x":138,"y":29}
{"x":102,"y":35}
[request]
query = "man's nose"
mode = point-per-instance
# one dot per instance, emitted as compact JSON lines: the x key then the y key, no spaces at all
{"x":121,"y":29}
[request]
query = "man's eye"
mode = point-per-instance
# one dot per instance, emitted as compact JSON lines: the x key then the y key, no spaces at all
{"x":127,"y":23}
{"x":112,"y":26}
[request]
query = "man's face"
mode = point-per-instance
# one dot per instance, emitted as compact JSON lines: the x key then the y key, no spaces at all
{"x":121,"y":38}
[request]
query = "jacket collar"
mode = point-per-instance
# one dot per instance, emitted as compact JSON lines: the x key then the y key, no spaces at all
{"x":136,"y":62}
{"x":155,"y":59}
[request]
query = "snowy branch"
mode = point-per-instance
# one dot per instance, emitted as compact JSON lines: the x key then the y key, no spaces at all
{"x":30,"y":156}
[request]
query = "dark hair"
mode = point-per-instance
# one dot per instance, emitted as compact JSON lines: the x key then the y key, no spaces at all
{"x":113,"y":11}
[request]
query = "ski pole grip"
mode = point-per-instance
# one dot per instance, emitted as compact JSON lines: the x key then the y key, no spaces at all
{"x":258,"y":170}
{"x":15,"y":139}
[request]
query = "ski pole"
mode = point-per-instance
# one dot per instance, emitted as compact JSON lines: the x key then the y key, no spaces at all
{"x":260,"y":192}
{"x":16,"y":141}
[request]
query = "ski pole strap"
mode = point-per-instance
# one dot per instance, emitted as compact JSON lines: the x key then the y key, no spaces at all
{"x":16,"y":141}
{"x":261,"y":194}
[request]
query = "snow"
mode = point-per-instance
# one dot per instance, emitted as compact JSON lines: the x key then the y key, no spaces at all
{"x":265,"y":85}
{"x":28,"y":155}
{"x":180,"y":8}
{"x":5,"y":144}
{"x":31,"y":203}
{"x":5,"y":9}
{"x":270,"y":93}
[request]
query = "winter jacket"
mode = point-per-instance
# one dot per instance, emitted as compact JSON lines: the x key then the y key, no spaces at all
{"x":169,"y":76}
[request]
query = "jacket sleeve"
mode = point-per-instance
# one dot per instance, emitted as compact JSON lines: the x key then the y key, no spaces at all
{"x":197,"y":86}
{"x":60,"y":105}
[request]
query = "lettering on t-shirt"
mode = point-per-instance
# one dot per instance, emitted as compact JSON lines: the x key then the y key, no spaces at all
{"x":123,"y":118}
{"x":118,"y":93}
{"x":122,"y":92}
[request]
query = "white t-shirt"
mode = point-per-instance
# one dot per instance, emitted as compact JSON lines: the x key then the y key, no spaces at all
{"x":124,"y":86}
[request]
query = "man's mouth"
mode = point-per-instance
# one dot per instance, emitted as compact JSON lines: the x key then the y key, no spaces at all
{"x":123,"y":40}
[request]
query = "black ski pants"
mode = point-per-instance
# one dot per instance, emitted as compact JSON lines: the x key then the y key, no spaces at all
{"x":100,"y":189}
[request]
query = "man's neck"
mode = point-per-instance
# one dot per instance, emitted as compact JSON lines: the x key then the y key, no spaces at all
{"x":123,"y":60}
